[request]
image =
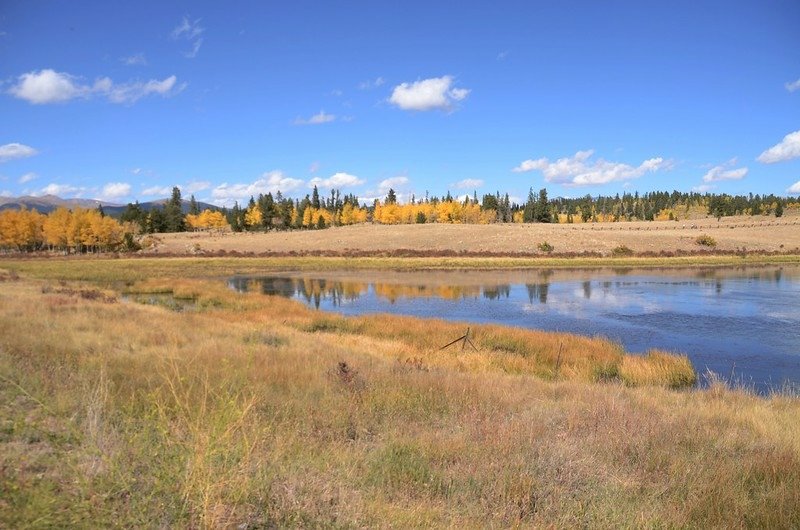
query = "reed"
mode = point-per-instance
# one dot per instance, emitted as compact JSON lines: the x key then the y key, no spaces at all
{"x":244,"y":413}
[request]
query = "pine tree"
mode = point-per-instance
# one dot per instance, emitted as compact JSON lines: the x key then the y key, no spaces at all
{"x":193,"y":208}
{"x":173,"y":213}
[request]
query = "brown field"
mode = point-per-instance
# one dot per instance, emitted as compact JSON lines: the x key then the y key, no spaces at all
{"x":759,"y":234}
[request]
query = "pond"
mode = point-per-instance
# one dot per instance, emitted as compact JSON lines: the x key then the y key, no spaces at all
{"x":741,"y":323}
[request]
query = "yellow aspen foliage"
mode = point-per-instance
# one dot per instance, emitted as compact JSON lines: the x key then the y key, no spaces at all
{"x":21,"y":229}
{"x":311,"y":217}
{"x":307,"y":215}
{"x":351,"y":215}
{"x":62,"y":229}
{"x":207,"y":219}
{"x":55,"y":228}
{"x":253,"y":217}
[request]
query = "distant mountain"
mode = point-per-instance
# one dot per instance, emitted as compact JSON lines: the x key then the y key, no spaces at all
{"x":48,"y":203}
{"x":116,"y":209}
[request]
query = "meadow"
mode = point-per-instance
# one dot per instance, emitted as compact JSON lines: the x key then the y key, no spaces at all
{"x":209,"y":408}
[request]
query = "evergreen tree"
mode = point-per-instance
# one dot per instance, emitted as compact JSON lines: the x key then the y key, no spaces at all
{"x":391,"y":197}
{"x":542,"y":209}
{"x":315,"y":198}
{"x":193,"y":208}
{"x":173,"y":213}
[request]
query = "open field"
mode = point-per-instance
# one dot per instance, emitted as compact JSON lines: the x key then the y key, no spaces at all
{"x":765,"y":234}
{"x":250,"y":411}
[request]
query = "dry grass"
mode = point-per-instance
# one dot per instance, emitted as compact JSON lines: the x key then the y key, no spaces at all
{"x":732,"y":234}
{"x":252,"y":412}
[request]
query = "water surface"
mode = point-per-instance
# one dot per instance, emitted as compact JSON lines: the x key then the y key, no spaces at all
{"x":738,"y":322}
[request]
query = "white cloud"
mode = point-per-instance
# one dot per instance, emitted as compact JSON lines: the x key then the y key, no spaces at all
{"x":703,"y":188}
{"x":794,"y":188}
{"x":578,"y":170}
{"x":16,"y":150}
{"x":189,"y":30}
{"x":314,"y":167}
{"x":61,"y":190}
{"x":157,"y":191}
{"x":794,"y":85}
{"x":270,"y":182}
{"x":391,"y":183}
{"x":5,"y":193}
{"x":338,"y":180}
{"x":27,"y":177}
{"x":428,"y":94}
{"x":316,"y":119}
{"x":132,"y":92}
{"x":48,"y":86}
{"x":468,"y":183}
{"x":115,"y":190}
{"x":722,"y":172}
{"x":136,"y":170}
{"x":137,"y":59}
{"x":787,"y":149}
{"x":367,"y":85}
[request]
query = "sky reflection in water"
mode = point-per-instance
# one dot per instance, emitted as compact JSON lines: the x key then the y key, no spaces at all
{"x":740,"y":321}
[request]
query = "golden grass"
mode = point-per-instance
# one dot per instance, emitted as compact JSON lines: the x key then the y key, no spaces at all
{"x":130,"y":270}
{"x":253,"y":411}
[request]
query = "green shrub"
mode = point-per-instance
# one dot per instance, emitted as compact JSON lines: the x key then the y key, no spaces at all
{"x":621,"y":251}
{"x":544,"y":246}
{"x":706,"y":240}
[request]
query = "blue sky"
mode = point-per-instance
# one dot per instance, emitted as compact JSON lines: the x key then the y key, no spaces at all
{"x":122,"y":100}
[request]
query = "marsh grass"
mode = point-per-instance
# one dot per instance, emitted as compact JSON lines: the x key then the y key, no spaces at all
{"x":239,"y":415}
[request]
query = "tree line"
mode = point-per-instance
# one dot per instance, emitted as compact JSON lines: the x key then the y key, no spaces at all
{"x":86,"y":230}
{"x":276,"y":212}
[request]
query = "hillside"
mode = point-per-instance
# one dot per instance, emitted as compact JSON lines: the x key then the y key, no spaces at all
{"x":48,"y":203}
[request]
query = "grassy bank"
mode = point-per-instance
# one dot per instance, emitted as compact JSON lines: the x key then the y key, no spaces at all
{"x":137,"y":269}
{"x":245,"y":410}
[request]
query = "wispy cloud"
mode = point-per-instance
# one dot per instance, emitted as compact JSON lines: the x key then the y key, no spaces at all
{"x":579,"y":170}
{"x":16,"y":150}
{"x":436,"y":93}
{"x":468,"y":184}
{"x":793,"y":85}
{"x":502,"y":55}
{"x":195,"y":186}
{"x":27,"y":177}
{"x":191,"y":31}
{"x":786,"y":149}
{"x":316,"y":119}
{"x":61,"y":190}
{"x":373,"y":83}
{"x":794,"y":188}
{"x":725,"y":172}
{"x":157,"y":191}
{"x":137,"y":59}
{"x":48,"y":86}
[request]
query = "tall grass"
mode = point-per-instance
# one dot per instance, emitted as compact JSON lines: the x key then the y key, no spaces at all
{"x":244,"y":413}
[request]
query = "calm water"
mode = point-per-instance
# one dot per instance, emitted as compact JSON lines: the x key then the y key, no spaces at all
{"x":743,"y":322}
